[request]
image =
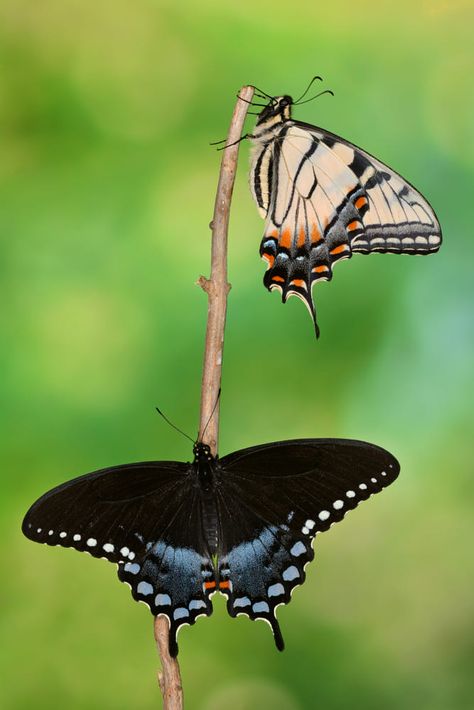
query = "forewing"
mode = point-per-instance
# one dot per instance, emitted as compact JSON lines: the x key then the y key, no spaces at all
{"x":146,"y":518}
{"x":330,"y":199}
{"x":273,"y":500}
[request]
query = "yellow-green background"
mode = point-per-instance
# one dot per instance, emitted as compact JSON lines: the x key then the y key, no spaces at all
{"x":107,"y":188}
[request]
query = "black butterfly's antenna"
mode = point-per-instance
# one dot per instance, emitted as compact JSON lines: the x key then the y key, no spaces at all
{"x":173,"y":425}
{"x":315,"y":78}
{"x":321,"y":93}
{"x":212,"y":413}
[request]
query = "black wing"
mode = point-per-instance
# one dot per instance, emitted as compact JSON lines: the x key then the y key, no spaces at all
{"x":273,"y":499}
{"x":146,"y":517}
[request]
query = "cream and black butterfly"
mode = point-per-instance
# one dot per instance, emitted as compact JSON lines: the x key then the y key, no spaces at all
{"x":323,"y":199}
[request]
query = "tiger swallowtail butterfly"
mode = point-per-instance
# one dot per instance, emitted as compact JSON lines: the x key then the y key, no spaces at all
{"x":242,"y":525}
{"x":323,"y":199}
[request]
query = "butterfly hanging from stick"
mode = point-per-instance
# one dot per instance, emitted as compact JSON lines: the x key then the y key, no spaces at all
{"x":324,"y":199}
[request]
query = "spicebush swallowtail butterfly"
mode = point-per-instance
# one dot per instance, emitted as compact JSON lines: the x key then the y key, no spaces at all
{"x":242,"y":525}
{"x":323,"y":199}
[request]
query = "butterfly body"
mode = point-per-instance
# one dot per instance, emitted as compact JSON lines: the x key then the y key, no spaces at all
{"x":324,"y":199}
{"x":242,"y":525}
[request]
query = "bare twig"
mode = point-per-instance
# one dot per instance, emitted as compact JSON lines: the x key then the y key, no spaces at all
{"x":217,"y":290}
{"x":217,"y":287}
{"x":170,"y":677}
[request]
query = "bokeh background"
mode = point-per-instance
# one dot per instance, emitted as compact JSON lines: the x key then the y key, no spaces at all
{"x":107,"y":188}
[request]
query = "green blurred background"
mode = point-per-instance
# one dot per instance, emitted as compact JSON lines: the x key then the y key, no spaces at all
{"x":107,"y":188}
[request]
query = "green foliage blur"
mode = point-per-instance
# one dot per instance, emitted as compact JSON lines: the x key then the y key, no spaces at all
{"x":107,"y":189}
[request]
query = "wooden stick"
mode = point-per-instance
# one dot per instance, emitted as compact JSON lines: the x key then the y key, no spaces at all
{"x":217,"y":290}
{"x":217,"y":287}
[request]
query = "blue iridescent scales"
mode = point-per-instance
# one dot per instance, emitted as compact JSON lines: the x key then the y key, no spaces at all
{"x":324,"y":199}
{"x":242,"y":525}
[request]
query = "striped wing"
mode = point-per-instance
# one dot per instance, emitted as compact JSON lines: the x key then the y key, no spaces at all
{"x":323,"y":199}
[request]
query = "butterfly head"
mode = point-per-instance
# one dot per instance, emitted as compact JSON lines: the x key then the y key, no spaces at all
{"x":202,"y":452}
{"x":277,"y":111}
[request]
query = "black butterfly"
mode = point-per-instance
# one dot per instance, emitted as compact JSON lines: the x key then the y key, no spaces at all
{"x":242,"y":525}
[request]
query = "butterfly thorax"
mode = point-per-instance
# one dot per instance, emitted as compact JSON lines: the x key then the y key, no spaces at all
{"x":204,"y":467}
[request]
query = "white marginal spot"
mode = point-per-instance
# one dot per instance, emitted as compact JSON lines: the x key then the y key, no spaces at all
{"x":108,"y":547}
{"x":373,"y":480}
{"x":324,"y":515}
{"x":298,"y":549}
{"x":433,"y":239}
{"x":338,"y":504}
{"x":290,"y":573}
{"x":133,"y":568}
{"x":310,"y":524}
{"x":131,"y":555}
{"x":363,"y":486}
{"x":383,"y":473}
{"x":421,"y":240}
{"x":407,"y":240}
{"x":91,"y":542}
{"x":305,"y":530}
{"x":145,"y":588}
{"x":350,"y":494}
{"x":260,"y":607}
{"x":180,"y":613}
{"x":76,"y":537}
{"x":242,"y":601}
{"x":124,"y":551}
{"x":50,"y":532}
{"x":275,"y":590}
{"x":39,"y":530}
{"x":63,"y":534}
{"x":197,"y":604}
{"x":162,"y":599}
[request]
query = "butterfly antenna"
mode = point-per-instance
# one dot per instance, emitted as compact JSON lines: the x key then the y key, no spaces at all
{"x":315,"y":78}
{"x":321,"y":93}
{"x":212,"y":413}
{"x":173,"y":425}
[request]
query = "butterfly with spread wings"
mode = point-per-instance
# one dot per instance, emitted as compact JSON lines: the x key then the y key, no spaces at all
{"x":242,"y":525}
{"x":323,"y":199}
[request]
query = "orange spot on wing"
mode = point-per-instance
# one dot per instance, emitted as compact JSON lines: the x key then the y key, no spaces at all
{"x":278,"y":278}
{"x":320,"y":269}
{"x":209,"y":585}
{"x":338,"y":250}
{"x":274,"y":234}
{"x":298,"y":282}
{"x":269,"y":258}
{"x":285,"y":239}
{"x":360,"y":202}
{"x":315,"y":235}
{"x":301,"y":237}
{"x":224,"y":585}
{"x":353,"y":225}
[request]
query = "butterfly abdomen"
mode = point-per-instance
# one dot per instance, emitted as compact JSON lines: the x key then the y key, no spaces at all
{"x":210,"y":521}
